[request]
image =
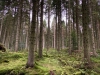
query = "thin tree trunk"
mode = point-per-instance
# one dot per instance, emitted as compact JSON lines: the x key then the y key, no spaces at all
{"x":98,"y":26}
{"x":43,"y":39}
{"x":98,"y":38}
{"x":77,"y":23}
{"x":56,"y":29}
{"x":48,"y":31}
{"x":37,"y":28}
{"x":66,"y":29}
{"x":74,"y":20}
{"x":92,"y":30}
{"x":59,"y":25}
{"x":0,"y":28}
{"x":41,"y":30}
{"x":26,"y":40}
{"x":63,"y":38}
{"x":18,"y":26}
{"x":54,"y":34}
{"x":69,"y":13}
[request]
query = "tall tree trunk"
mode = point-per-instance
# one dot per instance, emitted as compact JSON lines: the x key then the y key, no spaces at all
{"x":66,"y":29}
{"x":98,"y":26}
{"x":18,"y":26}
{"x":59,"y":25}
{"x":63,"y":37}
{"x":77,"y":23}
{"x":56,"y":28}
{"x":69,"y":14}
{"x":14,"y":30}
{"x":30,"y":61}
{"x":21,"y":37}
{"x":37,"y":28}
{"x":74,"y":20}
{"x":41,"y":30}
{"x":85,"y":22}
{"x":54,"y":35}
{"x":48,"y":31}
{"x":92,"y":30}
{"x":97,"y":23}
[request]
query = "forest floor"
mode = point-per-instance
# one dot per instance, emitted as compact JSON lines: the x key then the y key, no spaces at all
{"x":58,"y":63}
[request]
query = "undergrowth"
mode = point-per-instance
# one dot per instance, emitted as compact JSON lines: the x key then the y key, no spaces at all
{"x":60,"y":63}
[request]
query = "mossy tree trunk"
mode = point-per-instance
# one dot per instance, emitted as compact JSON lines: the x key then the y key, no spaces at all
{"x":30,"y":61}
{"x":41,"y":30}
{"x":85,"y":22}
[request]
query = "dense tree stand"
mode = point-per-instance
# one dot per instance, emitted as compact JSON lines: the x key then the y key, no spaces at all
{"x":43,"y":34}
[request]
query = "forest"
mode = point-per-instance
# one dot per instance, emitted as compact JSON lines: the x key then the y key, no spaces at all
{"x":49,"y":37}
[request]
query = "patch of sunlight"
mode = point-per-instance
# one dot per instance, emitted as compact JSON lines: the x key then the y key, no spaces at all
{"x":31,"y":71}
{"x":68,"y":70}
{"x":95,"y":59}
{"x":12,"y":60}
{"x":50,"y":64}
{"x":11,"y":64}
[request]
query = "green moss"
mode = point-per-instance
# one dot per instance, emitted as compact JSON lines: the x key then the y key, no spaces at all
{"x":96,"y":59}
{"x":5,"y":71}
{"x":77,"y":73}
{"x":14,"y":62}
{"x":11,"y":61}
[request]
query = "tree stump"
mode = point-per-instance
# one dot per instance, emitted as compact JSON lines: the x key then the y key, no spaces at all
{"x":2,"y":48}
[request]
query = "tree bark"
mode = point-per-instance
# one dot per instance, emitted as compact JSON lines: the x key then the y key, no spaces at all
{"x":18,"y":26}
{"x":37,"y":27}
{"x":41,"y":30}
{"x":48,"y":31}
{"x":77,"y":24}
{"x":85,"y":22}
{"x":59,"y":25}
{"x":30,"y":61}
{"x":92,"y":30}
{"x":69,"y":14}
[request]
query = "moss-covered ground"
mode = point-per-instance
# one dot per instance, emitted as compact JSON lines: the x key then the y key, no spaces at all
{"x":59,"y":63}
